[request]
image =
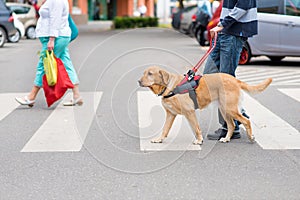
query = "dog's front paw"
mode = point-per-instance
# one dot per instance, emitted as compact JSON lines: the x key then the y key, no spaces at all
{"x":252,"y":139}
{"x":157,"y":140}
{"x":198,"y":142}
{"x":224,"y":140}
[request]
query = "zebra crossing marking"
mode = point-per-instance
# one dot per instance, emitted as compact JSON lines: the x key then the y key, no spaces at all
{"x":264,"y":76}
{"x":292,"y":92}
{"x":253,"y":73}
{"x":66,"y":128}
{"x":8,"y":104}
{"x":280,"y":76}
{"x":151,"y":121}
{"x":270,"y":131}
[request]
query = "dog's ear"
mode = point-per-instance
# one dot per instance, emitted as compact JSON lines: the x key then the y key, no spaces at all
{"x":165,"y":76}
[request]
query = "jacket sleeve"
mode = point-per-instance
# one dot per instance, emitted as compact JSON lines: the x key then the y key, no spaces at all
{"x":235,"y":14}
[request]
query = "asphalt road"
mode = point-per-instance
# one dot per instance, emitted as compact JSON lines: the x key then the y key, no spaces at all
{"x":109,"y":163}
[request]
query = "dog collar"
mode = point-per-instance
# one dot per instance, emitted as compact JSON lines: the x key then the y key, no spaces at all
{"x":161,"y":93}
{"x":169,"y":95}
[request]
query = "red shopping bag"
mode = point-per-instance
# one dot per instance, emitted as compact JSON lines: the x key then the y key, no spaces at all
{"x":54,"y":93}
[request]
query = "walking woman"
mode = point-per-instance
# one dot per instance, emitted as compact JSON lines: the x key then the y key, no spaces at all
{"x":54,"y":34}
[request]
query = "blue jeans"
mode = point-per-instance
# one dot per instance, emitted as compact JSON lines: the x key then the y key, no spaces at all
{"x":225,"y":59}
{"x":60,"y":51}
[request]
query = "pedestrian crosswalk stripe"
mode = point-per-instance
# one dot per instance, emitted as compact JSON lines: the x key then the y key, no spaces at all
{"x":275,"y":77}
{"x":8,"y":104}
{"x":290,"y":82}
{"x":280,"y":76}
{"x":292,"y":92}
{"x":270,"y":131}
{"x":66,"y":128}
{"x":255,"y":74}
{"x":287,"y":78}
{"x":151,"y":121}
{"x":249,"y":71}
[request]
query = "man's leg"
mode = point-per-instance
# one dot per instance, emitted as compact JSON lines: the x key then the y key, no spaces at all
{"x":230,"y":49}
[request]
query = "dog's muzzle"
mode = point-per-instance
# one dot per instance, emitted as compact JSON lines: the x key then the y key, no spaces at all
{"x":140,"y":83}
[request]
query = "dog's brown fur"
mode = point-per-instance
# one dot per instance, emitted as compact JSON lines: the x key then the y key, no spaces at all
{"x":219,"y":87}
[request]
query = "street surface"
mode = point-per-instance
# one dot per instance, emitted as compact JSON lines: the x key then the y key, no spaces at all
{"x":102,"y":150}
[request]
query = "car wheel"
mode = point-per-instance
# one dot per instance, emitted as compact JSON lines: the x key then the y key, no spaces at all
{"x":2,"y":37}
{"x":245,"y":55}
{"x":276,"y":58}
{"x":30,"y":32}
{"x":15,"y":38}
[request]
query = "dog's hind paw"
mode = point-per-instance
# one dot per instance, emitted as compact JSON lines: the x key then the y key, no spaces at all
{"x":157,"y":140}
{"x":224,"y":140}
{"x":198,"y":142}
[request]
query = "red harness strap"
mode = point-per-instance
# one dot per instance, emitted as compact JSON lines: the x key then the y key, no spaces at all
{"x":191,"y":81}
{"x":191,"y":73}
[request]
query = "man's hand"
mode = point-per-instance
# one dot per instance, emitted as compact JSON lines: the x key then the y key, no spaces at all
{"x":215,"y":30}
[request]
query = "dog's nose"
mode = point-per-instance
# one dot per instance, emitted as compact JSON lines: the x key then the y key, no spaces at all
{"x":140,"y":83}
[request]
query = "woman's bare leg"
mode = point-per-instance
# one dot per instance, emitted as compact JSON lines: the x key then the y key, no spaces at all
{"x":76,"y":93}
{"x":33,"y":93}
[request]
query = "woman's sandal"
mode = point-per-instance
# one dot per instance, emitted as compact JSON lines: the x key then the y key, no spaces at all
{"x":74,"y":102}
{"x":25,"y":101}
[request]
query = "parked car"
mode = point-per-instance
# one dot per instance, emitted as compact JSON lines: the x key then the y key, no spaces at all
{"x":176,"y":14}
{"x":278,"y":31}
{"x":7,"y":28}
{"x":20,"y":30}
{"x":186,"y":23}
{"x":206,"y":9}
{"x":27,"y":15}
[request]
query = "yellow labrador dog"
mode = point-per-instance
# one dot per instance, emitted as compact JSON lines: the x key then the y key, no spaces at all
{"x":219,"y":87}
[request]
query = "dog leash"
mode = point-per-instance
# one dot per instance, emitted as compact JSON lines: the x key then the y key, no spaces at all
{"x":211,"y":48}
{"x":191,"y":73}
{"x":190,"y":81}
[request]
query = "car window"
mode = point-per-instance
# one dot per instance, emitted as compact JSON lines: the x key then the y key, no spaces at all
{"x":292,"y":7}
{"x":187,"y":9}
{"x":19,"y":9}
{"x":269,"y":6}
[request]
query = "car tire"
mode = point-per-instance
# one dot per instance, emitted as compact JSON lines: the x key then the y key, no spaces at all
{"x":15,"y":38}
{"x":276,"y":58}
{"x":30,"y":32}
{"x":3,"y":37}
{"x":245,"y":55}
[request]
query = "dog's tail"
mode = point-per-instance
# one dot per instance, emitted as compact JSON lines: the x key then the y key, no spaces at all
{"x":255,"y":88}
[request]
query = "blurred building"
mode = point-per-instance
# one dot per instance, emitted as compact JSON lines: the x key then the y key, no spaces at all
{"x":108,"y":9}
{"x":84,"y":10}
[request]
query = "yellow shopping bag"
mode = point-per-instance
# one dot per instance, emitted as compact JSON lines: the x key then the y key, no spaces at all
{"x":50,"y":67}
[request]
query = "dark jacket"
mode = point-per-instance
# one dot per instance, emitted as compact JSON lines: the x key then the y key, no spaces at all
{"x":239,"y":17}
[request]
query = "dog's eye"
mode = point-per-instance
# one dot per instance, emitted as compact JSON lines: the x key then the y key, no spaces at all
{"x":150,"y":73}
